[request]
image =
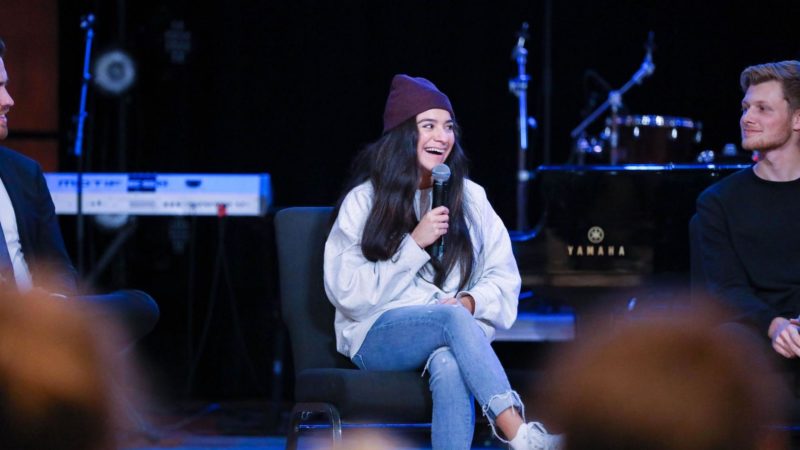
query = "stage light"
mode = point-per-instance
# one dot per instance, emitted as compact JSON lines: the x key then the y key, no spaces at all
{"x":114,"y":72}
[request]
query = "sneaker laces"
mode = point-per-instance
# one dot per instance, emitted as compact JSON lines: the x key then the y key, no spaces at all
{"x":540,"y":439}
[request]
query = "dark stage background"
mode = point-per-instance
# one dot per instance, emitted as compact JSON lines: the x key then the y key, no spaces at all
{"x":296,"y":88}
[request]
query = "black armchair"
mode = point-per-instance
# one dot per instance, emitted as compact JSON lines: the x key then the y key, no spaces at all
{"x":327,"y":383}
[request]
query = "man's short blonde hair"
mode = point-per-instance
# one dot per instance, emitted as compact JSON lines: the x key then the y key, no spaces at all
{"x":786,"y":72}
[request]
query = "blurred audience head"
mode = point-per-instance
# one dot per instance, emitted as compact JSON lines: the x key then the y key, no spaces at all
{"x":59,"y":377}
{"x":664,"y":383}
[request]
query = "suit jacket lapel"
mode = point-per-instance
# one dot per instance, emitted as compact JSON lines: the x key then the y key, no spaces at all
{"x":13,"y":185}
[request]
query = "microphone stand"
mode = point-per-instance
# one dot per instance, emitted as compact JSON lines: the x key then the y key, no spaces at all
{"x":519,"y":87}
{"x":87,"y":23}
{"x":614,"y":101}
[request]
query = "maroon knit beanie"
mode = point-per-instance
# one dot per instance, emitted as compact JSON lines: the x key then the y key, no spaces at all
{"x":410,"y":96}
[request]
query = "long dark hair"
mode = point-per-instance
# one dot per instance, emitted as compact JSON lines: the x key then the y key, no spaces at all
{"x":390,"y":163}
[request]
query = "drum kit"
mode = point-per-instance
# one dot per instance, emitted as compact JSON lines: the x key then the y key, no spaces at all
{"x":636,"y":139}
{"x":624,"y":139}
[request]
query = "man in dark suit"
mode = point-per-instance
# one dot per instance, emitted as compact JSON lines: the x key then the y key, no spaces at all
{"x":40,"y":242}
{"x":32,"y":251}
{"x":32,"y":236}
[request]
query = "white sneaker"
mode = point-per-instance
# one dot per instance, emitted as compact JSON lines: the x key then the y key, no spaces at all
{"x":533,"y":436}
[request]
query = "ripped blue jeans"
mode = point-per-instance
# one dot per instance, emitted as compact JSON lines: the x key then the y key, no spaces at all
{"x":446,"y":340}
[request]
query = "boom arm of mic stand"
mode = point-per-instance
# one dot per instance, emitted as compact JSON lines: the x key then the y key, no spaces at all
{"x":644,"y":71}
{"x":590,"y":118}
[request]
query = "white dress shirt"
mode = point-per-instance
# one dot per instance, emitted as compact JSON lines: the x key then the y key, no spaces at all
{"x":8,"y":219}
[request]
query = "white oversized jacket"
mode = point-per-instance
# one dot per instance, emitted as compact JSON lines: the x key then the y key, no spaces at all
{"x":362,"y":290}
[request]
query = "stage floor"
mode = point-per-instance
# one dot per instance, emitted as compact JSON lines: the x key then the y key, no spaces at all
{"x":260,"y":424}
{"x":257,"y":424}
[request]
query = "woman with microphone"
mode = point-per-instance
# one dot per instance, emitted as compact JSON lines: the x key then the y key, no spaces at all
{"x":399,"y":308}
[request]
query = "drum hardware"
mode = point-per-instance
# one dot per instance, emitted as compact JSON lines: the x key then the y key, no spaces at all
{"x":706,"y":156}
{"x":591,"y":145}
{"x":614,"y":101}
{"x":730,"y":154}
{"x":730,"y":150}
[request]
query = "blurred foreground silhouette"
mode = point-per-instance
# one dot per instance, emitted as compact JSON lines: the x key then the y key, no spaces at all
{"x":62,"y":378}
{"x":668,"y":382}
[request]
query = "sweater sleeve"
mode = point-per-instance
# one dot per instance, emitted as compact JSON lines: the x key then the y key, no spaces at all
{"x":726,"y":278}
{"x":496,"y":287}
{"x":356,"y":286}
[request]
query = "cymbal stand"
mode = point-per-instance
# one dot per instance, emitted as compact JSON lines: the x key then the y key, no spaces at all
{"x":614,"y":101}
{"x":519,"y":87}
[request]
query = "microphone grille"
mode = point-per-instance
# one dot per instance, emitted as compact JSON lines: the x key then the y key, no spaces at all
{"x":441,"y":173}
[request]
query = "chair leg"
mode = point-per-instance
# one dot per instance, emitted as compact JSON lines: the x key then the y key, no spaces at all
{"x":303,"y":411}
{"x":294,"y":428}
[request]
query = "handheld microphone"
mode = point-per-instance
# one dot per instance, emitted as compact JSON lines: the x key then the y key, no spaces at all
{"x":441,"y":174}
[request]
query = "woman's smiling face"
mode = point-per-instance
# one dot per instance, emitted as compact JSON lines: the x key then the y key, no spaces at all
{"x":436,"y":130}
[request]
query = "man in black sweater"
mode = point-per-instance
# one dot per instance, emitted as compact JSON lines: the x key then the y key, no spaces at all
{"x":750,"y":221}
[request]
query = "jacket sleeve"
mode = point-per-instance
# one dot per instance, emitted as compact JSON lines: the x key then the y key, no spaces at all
{"x":726,"y":278}
{"x":52,"y":268}
{"x":496,"y":287}
{"x":355,"y":285}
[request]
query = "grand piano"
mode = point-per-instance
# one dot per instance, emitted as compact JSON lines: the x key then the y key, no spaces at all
{"x":611,"y":237}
